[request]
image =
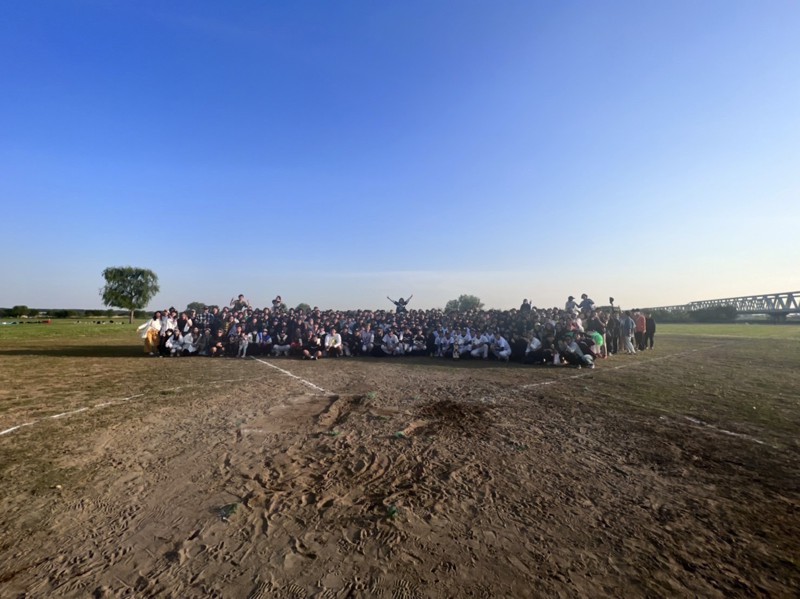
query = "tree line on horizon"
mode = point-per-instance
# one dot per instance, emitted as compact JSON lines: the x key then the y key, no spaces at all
{"x":131,"y":289}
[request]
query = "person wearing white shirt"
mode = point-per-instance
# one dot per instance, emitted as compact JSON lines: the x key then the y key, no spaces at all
{"x":480,"y":347}
{"x":169,"y":322}
{"x":462,"y":343}
{"x":189,"y":342}
{"x":534,"y":354}
{"x":571,"y":306}
{"x":174,"y":343}
{"x":333,"y":343}
{"x":150,"y":332}
{"x":500,"y":348}
{"x":366,"y":339}
{"x":391,"y":344}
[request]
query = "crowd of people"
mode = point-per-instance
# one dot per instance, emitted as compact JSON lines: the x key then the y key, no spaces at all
{"x":576,"y":335}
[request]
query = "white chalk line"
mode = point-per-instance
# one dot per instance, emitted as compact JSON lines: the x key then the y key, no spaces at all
{"x":114,"y":402}
{"x":592,"y":371}
{"x":723,"y":431}
{"x":69,"y":413}
{"x":637,"y":363}
{"x":13,"y":428}
{"x":294,"y":376}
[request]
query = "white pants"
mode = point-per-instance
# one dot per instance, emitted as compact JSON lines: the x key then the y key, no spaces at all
{"x":481,"y":352}
{"x":627,"y":341}
{"x":502,"y":354}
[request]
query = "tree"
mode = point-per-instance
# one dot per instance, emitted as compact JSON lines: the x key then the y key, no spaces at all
{"x":128,"y":287}
{"x":18,"y":311}
{"x":464,"y":303}
{"x":197,"y":306}
{"x":305,"y":308}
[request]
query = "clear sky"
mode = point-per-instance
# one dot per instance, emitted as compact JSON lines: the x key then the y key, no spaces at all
{"x":339,"y":152}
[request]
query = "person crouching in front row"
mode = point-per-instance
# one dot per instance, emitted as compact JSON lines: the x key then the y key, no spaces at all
{"x":312,"y":349}
{"x":333,"y":344}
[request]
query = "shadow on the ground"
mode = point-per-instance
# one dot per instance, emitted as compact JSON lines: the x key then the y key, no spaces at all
{"x":135,"y":351}
{"x":78,"y":351}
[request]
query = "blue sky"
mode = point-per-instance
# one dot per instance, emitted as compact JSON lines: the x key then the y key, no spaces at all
{"x":339,"y":152}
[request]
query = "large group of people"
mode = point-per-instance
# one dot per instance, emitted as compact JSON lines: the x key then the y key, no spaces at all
{"x":577,"y":335}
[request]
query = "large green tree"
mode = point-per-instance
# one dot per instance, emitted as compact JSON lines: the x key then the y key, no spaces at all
{"x":18,"y":311}
{"x":128,"y":287}
{"x":464,"y":303}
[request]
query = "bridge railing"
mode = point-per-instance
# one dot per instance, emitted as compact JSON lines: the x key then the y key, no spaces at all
{"x":786,"y":302}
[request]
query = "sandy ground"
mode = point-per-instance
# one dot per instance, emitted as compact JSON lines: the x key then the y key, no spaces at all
{"x":396,"y":480}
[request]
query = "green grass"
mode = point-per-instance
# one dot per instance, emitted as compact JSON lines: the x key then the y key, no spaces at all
{"x":67,"y":329}
{"x":741,"y":330}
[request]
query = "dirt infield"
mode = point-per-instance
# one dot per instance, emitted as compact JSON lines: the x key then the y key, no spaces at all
{"x":673,"y":473}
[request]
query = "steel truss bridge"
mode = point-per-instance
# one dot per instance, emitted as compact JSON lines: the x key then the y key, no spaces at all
{"x":776,"y":305}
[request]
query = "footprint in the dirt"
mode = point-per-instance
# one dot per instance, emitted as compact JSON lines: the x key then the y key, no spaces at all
{"x":405,"y":590}
{"x":262,"y":590}
{"x":118,"y":554}
{"x":294,"y":591}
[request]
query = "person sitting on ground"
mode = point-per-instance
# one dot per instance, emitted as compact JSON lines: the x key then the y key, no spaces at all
{"x":263,"y":341}
{"x":218,"y":344}
{"x":243,"y":338}
{"x":390,"y":344}
{"x":572,"y":351}
{"x":501,"y":348}
{"x":419,"y":344}
{"x":447,"y":343}
{"x":479,"y":347}
{"x":281,"y":344}
{"x":348,"y":342}
{"x":595,"y":344}
{"x":173,"y":343}
{"x":462,"y":343}
{"x":366,"y":340}
{"x":189,"y":342}
{"x":333,"y":344}
{"x":312,"y":348}
{"x":204,"y":342}
{"x":534,"y":353}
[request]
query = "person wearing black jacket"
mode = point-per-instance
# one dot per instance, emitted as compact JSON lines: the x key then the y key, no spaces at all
{"x":649,"y":331}
{"x":312,"y":348}
{"x":612,"y":333}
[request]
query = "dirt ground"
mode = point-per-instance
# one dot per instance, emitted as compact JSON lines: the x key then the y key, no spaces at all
{"x":399,"y":478}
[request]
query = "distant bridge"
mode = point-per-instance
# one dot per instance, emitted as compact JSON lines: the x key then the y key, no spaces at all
{"x":777,"y":305}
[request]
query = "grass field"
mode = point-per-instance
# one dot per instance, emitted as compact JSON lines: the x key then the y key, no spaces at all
{"x":670,"y":473}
